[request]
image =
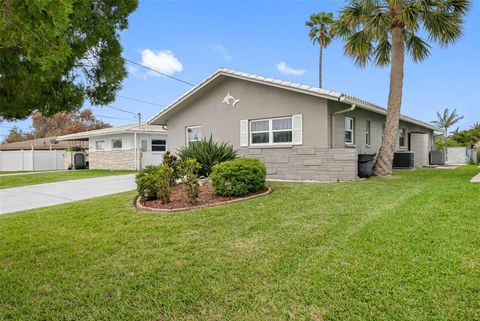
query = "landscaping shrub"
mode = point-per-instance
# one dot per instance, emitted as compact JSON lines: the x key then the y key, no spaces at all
{"x":74,"y":149}
{"x":151,"y":182}
{"x":207,"y":153}
{"x":238,"y":177}
{"x":164,"y":183}
{"x":171,"y":161}
{"x":188,"y":170}
{"x":147,"y":181}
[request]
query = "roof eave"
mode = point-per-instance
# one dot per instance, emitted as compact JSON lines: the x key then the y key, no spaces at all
{"x":86,"y":136}
{"x":183,"y":98}
{"x":383,"y":111}
{"x":305,"y":89}
{"x":238,"y":75}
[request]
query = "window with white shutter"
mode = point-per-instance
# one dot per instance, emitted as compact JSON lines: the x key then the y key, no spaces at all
{"x":273,"y":131}
{"x":297,"y":121}
{"x":244,"y":132}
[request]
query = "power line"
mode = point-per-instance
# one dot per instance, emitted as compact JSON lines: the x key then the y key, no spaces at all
{"x":110,"y":117}
{"x":161,"y":73}
{"x":141,"y":101}
{"x":122,"y":110}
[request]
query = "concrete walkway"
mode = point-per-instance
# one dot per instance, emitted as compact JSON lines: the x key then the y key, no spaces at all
{"x":34,"y":196}
{"x":476,"y":179}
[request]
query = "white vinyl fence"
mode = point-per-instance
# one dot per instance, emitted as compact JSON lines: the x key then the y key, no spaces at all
{"x":460,"y":155}
{"x":31,"y":160}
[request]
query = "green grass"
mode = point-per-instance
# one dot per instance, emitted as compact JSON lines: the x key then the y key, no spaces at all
{"x":405,"y":248}
{"x":14,"y":172}
{"x":48,"y":177}
{"x":20,"y":172}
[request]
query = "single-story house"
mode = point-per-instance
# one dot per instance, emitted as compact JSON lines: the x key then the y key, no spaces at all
{"x":300,"y":132}
{"x":45,"y":143}
{"x":123,"y":147}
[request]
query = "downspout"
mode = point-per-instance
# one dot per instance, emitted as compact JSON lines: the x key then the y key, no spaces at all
{"x":135,"y":148}
{"x":333,"y":120}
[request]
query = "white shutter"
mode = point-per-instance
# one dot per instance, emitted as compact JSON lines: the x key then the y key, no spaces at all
{"x":297,"y":131}
{"x":244,"y":132}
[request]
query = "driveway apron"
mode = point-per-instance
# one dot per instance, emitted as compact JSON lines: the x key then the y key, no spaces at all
{"x":34,"y":196}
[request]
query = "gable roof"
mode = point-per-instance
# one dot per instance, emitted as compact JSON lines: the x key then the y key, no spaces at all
{"x":287,"y":85}
{"x":131,"y":128}
{"x":44,"y":143}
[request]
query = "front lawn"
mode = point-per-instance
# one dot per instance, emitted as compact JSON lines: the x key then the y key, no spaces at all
{"x":405,"y":248}
{"x":49,"y":177}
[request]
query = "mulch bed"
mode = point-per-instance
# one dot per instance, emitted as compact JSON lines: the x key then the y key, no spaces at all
{"x":179,"y":199}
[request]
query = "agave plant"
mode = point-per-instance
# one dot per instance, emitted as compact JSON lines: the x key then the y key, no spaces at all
{"x":207,"y":153}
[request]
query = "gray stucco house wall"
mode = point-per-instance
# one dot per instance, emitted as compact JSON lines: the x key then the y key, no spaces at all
{"x":227,"y":104}
{"x":377,"y":123}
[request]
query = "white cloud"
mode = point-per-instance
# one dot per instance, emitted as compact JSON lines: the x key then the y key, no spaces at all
{"x":221,"y":50}
{"x":163,"y":61}
{"x":132,"y":70}
{"x":287,"y":70}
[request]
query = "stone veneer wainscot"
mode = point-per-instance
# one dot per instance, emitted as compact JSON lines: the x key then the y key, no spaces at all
{"x":114,"y":159}
{"x":303,"y":163}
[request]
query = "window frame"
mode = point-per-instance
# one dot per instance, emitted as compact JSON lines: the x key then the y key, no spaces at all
{"x":187,"y":141}
{"x":400,"y":136}
{"x":164,"y":145}
{"x":96,"y":145}
{"x":368,"y":133}
{"x":270,"y":131}
{"x":121,"y":143}
{"x":350,"y":130}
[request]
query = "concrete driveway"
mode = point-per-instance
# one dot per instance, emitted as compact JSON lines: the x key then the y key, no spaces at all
{"x":34,"y":196}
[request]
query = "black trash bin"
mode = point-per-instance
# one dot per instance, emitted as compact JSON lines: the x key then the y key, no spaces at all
{"x":365,"y":165}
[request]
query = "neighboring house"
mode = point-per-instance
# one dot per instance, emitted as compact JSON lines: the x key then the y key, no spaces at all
{"x":46,"y":143}
{"x":287,"y":125}
{"x":35,"y":154}
{"x":123,"y":147}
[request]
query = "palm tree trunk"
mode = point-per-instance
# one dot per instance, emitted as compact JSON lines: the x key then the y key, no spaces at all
{"x":383,"y":166}
{"x":320,"y":67}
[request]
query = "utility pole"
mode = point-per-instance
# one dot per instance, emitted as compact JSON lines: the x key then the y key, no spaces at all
{"x":139,"y":120}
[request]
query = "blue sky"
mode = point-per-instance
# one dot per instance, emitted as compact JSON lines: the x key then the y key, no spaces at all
{"x":191,"y":39}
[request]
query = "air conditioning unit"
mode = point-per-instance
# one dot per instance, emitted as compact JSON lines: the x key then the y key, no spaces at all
{"x":437,"y":157}
{"x":403,"y":160}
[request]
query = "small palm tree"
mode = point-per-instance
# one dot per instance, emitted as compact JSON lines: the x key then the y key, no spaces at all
{"x":382,"y":31}
{"x":447,"y":120}
{"x":321,"y":32}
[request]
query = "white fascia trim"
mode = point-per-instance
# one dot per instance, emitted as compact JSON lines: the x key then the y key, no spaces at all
{"x":183,"y":97}
{"x":305,"y":89}
{"x":382,"y":111}
{"x":301,"y":89}
{"x":130,"y":131}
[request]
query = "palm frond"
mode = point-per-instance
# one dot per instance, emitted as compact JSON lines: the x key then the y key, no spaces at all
{"x":409,"y":15}
{"x":359,"y":47}
{"x":447,"y":119}
{"x":416,"y":47}
{"x":382,"y":52}
{"x":443,"y":19}
{"x":350,"y":17}
{"x":320,"y":25}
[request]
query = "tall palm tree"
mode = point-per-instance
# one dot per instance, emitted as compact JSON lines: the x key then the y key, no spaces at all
{"x":320,"y":32}
{"x":382,"y":31}
{"x":447,"y":120}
